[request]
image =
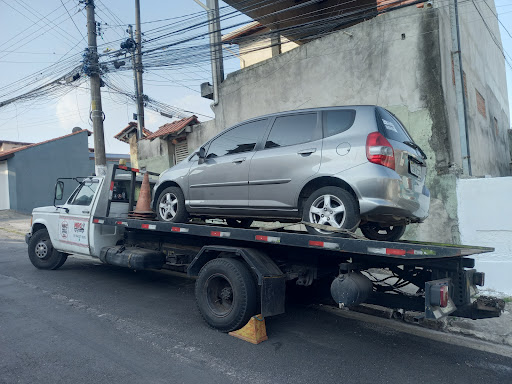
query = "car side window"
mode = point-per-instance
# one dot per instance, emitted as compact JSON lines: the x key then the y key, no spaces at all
{"x":237,"y":140}
{"x":292,"y":129}
{"x":339,"y":121}
{"x":85,"y":194}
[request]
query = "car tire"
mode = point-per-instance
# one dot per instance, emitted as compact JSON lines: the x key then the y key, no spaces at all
{"x":170,"y":206}
{"x":239,"y":223}
{"x":226,"y":294}
{"x":341,"y":211}
{"x":41,"y":253}
{"x":376,"y":231}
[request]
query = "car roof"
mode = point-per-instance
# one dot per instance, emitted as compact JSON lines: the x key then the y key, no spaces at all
{"x":307,"y":110}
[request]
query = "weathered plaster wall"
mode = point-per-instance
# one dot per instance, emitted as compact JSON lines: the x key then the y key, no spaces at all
{"x":156,"y":155}
{"x":200,"y":134}
{"x":4,"y":186}
{"x":484,"y":66}
{"x":34,"y":171}
{"x":393,"y":61}
{"x":484,"y":209}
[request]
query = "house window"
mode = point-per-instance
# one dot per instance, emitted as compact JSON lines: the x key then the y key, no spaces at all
{"x":496,"y":126}
{"x":180,"y":151}
{"x":480,"y":103}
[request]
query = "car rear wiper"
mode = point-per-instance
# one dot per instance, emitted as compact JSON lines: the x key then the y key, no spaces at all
{"x":416,"y":146}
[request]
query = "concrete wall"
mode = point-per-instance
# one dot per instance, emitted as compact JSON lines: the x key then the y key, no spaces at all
{"x":484,"y":68}
{"x":33,"y":171}
{"x":201,"y":133}
{"x":393,"y":60}
{"x":4,"y":186}
{"x":485,"y":210}
{"x":253,"y":52}
{"x":156,"y":155}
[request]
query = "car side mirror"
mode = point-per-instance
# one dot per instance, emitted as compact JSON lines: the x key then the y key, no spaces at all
{"x":59,"y":190}
{"x":202,"y":155}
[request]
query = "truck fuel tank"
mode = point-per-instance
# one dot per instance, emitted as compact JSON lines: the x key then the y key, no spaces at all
{"x":133,"y":258}
{"x":350,"y":289}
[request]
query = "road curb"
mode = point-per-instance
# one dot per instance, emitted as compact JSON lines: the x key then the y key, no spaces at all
{"x":448,"y":334}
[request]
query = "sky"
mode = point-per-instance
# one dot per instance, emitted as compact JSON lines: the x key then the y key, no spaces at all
{"x":30,"y":43}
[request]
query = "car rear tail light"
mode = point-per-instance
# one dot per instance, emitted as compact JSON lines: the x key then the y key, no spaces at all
{"x":379,"y":150}
{"x":439,"y":295}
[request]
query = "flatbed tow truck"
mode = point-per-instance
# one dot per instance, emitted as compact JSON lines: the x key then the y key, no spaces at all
{"x":244,"y":272}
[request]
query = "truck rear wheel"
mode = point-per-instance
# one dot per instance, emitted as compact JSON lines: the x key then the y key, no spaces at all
{"x":41,"y":252}
{"x":226,"y":294}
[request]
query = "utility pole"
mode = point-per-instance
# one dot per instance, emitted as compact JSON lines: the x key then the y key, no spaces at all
{"x":138,"y":62}
{"x":217,"y":61}
{"x":96,"y":111}
{"x":136,"y":86}
{"x":215,"y":47}
{"x":459,"y":89}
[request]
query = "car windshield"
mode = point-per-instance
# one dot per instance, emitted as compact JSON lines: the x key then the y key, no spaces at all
{"x":391,"y":127}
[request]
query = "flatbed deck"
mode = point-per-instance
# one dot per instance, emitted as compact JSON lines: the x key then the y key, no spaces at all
{"x":405,"y":250}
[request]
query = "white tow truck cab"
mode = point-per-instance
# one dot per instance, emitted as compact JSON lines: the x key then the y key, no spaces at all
{"x":243,"y":272}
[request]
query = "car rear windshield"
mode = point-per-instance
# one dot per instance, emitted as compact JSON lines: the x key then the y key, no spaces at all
{"x":391,"y":127}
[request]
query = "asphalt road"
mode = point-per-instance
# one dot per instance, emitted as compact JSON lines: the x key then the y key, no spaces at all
{"x":93,"y":323}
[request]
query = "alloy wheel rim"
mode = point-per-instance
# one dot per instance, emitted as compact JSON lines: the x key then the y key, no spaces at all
{"x":168,"y":206}
{"x":327,"y":210}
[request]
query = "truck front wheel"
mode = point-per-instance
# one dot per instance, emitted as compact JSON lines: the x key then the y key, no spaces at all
{"x":41,"y":252}
{"x":226,"y":294}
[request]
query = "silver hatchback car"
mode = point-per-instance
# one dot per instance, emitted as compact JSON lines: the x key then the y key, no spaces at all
{"x":345,"y":167}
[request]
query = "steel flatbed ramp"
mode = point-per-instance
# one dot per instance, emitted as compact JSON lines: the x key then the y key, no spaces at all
{"x":406,"y":250}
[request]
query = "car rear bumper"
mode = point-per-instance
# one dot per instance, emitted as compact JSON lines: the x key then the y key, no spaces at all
{"x":386,"y":196}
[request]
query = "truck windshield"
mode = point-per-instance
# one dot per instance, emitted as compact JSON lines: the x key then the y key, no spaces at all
{"x":84,"y":194}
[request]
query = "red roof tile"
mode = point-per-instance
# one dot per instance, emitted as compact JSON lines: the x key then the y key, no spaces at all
{"x":174,"y":127}
{"x":132,"y":125}
{"x":7,"y":154}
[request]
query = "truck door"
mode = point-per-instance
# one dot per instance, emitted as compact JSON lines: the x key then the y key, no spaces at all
{"x":73,"y":225}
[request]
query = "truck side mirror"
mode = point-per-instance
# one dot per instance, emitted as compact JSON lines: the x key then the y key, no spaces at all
{"x":59,"y":190}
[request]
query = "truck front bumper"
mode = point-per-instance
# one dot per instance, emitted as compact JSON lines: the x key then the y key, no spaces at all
{"x":27,"y":237}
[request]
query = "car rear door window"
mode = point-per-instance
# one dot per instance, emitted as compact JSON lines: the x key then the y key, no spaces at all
{"x":339,"y":121}
{"x":237,"y":140}
{"x":390,"y":127}
{"x":292,"y":129}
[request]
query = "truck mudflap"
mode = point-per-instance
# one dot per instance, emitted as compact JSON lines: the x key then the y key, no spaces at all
{"x":133,"y":258}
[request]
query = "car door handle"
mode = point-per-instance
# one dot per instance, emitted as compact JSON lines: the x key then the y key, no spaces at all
{"x":86,"y":211}
{"x":239,"y":160}
{"x":306,"y":152}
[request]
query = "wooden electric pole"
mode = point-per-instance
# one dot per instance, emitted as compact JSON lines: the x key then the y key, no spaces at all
{"x":138,"y":62}
{"x":96,"y":111}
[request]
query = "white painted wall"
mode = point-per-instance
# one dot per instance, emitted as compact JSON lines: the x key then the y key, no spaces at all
{"x":4,"y":186}
{"x":485,"y":218}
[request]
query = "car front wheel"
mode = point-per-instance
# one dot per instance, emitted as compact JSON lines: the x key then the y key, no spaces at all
{"x":170,"y":206}
{"x":331,"y":206}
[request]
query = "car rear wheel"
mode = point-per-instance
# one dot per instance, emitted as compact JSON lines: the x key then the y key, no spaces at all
{"x":41,"y":253}
{"x":226,"y":294}
{"x":331,"y":206}
{"x":376,"y":231}
{"x":239,"y":223}
{"x":170,"y":206}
